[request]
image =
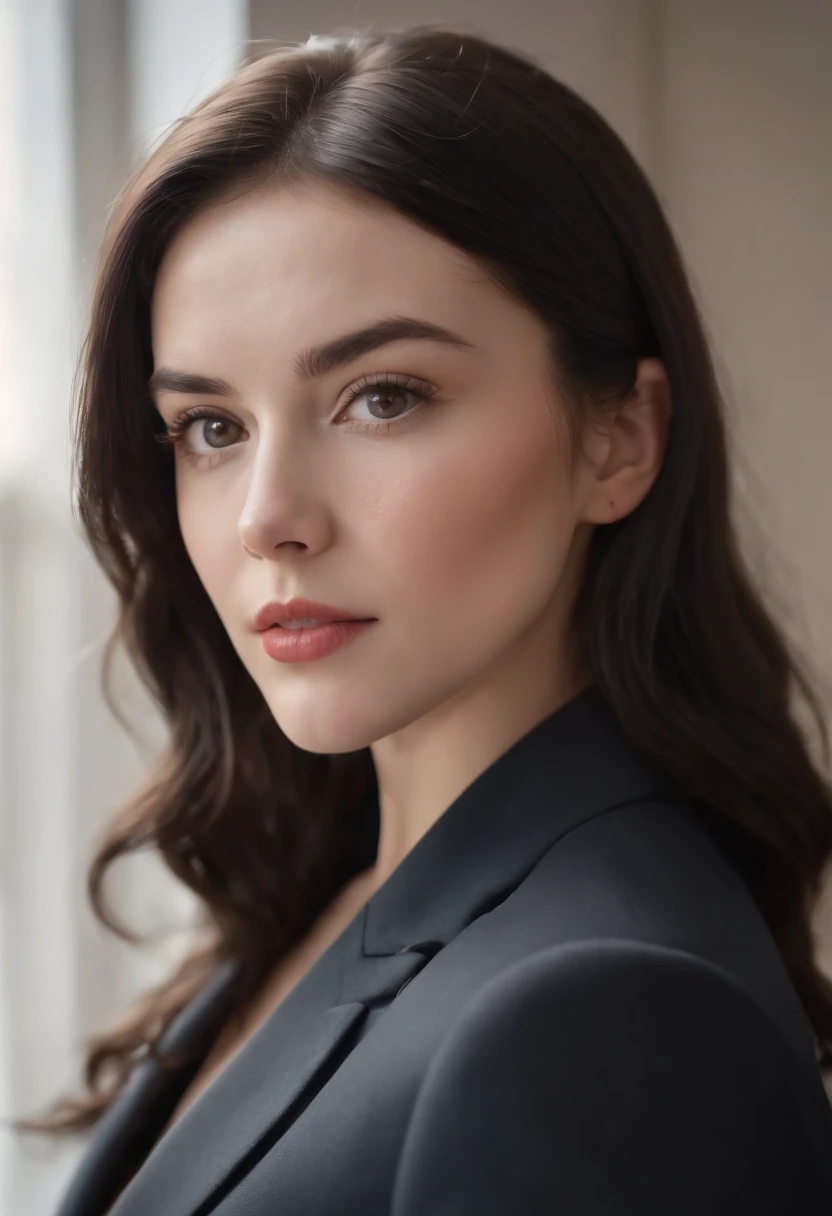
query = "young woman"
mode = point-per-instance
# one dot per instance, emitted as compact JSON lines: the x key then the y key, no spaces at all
{"x":508,"y":873}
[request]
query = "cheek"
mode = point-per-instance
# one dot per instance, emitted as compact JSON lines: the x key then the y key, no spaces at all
{"x":487,"y":532}
{"x":207,"y":528}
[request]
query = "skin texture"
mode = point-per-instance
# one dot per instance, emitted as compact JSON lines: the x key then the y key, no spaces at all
{"x":463,"y":530}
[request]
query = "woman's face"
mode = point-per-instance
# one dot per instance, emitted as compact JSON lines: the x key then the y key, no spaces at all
{"x":458,"y":526}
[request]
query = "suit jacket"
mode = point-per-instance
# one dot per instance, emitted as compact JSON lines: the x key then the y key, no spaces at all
{"x":563,"y":1000}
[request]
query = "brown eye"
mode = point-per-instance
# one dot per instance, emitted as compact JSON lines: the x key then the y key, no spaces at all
{"x":215,"y":430}
{"x":382,"y":401}
{"x":383,"y":395}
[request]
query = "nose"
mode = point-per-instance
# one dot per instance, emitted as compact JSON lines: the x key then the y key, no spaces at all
{"x":269,"y":528}
{"x":281,"y":511}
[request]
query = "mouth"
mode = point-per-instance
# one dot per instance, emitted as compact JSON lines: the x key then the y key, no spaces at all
{"x":310,"y":642}
{"x":301,"y":613}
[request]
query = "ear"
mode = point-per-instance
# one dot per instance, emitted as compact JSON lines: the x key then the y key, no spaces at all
{"x":623,"y":448}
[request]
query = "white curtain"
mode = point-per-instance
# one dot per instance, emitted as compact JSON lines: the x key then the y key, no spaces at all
{"x":86,"y":88}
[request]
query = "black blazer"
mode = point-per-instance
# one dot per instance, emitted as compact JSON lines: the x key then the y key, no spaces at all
{"x":563,"y":1001}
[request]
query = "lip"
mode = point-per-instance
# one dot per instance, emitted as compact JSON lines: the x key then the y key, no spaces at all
{"x":307,"y":645}
{"x":277,"y":611}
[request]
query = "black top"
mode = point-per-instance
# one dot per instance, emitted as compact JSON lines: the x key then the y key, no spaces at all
{"x":563,"y":1000}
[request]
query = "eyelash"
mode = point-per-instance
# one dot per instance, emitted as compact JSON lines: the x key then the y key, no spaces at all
{"x":174,"y":436}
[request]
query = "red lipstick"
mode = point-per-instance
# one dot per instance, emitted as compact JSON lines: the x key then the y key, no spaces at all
{"x":304,"y":644}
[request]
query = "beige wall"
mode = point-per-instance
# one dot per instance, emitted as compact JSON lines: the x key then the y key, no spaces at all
{"x":748,"y":174}
{"x":728,"y":106}
{"x":746,"y":164}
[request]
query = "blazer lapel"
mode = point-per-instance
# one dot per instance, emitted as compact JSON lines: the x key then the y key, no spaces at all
{"x":126,"y":1133}
{"x":259,"y":1093}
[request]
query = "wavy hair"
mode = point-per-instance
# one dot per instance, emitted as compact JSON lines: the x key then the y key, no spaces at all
{"x":483,"y":147}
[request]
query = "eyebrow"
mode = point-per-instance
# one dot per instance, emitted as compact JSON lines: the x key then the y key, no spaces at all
{"x":319,"y":360}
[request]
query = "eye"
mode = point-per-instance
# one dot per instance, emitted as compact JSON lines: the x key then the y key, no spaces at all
{"x":184,"y":422}
{"x":382,"y":389}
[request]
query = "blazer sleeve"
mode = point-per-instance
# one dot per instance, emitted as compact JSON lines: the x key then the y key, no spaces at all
{"x":615,"y":1078}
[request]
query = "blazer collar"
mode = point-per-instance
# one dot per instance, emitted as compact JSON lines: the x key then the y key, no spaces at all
{"x":575,"y":764}
{"x":572,"y":766}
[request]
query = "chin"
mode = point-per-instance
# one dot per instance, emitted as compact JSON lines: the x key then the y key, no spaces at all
{"x":311,"y":728}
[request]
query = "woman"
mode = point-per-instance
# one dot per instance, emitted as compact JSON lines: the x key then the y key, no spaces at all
{"x":508,"y":882}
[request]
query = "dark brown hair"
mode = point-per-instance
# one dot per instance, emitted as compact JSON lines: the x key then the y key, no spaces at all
{"x":484,"y":148}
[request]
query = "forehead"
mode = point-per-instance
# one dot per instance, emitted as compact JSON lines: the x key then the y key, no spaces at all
{"x":303,"y":248}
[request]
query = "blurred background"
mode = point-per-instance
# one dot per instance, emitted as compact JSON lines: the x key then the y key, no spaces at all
{"x":728,"y":106}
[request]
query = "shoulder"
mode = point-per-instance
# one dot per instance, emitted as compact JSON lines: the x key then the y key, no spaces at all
{"x":613,"y":1075}
{"x":612,"y":993}
{"x":617,"y":987}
